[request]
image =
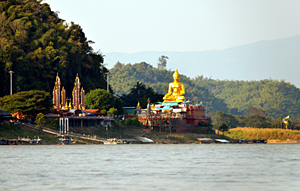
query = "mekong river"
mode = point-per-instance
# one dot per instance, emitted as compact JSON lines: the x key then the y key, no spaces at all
{"x":151,"y":167}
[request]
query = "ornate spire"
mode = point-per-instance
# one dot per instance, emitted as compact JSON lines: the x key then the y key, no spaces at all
{"x":138,"y":106}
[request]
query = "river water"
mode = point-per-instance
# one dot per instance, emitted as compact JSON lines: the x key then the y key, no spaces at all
{"x":151,"y":167}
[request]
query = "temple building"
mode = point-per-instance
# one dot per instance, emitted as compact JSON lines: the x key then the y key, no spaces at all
{"x":174,"y":114}
{"x":72,"y":112}
{"x":60,"y":100}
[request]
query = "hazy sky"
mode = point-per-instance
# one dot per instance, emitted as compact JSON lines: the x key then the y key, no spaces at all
{"x":179,"y":25}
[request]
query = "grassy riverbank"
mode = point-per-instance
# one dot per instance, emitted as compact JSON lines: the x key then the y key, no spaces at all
{"x":10,"y":131}
{"x":266,"y":134}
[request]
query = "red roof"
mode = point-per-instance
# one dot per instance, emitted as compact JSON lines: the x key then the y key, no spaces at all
{"x":92,"y":110}
{"x":17,"y":114}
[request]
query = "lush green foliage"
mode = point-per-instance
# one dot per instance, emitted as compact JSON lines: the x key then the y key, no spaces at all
{"x":40,"y":119}
{"x":204,"y":129}
{"x":36,"y":44}
{"x":139,"y":93}
{"x":52,"y":123}
{"x":112,"y":111}
{"x":131,"y":122}
{"x":29,"y":103}
{"x":10,"y":131}
{"x":276,"y":98}
{"x":257,"y":121}
{"x":123,"y":77}
{"x":102,"y":100}
{"x":222,"y":118}
{"x":223,"y":128}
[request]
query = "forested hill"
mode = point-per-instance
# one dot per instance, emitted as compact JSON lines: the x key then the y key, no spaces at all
{"x":36,"y":45}
{"x":123,"y":77}
{"x":276,"y":98}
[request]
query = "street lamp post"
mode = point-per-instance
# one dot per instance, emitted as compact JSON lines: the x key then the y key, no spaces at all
{"x":107,"y":82}
{"x":11,"y":72}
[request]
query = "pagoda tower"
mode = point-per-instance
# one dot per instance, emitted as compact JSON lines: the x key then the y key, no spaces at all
{"x":63,"y":99}
{"x":82,"y":94}
{"x":76,"y":93}
{"x":56,"y":94}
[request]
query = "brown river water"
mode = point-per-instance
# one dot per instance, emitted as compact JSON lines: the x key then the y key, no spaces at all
{"x":151,"y":167}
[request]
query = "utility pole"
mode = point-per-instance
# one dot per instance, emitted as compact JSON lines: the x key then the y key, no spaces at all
{"x":11,"y":72}
{"x":107,"y":82}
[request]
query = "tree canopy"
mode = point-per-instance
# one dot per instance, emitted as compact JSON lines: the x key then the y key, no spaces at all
{"x":275,"y":98}
{"x":221,"y":118}
{"x":140,"y":93}
{"x":29,"y":103}
{"x":223,"y":128}
{"x":102,"y":100}
{"x":36,"y":44}
{"x":257,"y":121}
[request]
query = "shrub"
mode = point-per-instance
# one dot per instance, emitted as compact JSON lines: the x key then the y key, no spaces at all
{"x":131,"y":122}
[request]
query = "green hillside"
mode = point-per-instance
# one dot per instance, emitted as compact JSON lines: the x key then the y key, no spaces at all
{"x":276,"y":98}
{"x":123,"y":77}
{"x":36,"y":44}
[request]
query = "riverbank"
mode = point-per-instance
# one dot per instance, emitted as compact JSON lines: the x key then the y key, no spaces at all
{"x":11,"y":131}
{"x":130,"y":132}
{"x":271,"y":135}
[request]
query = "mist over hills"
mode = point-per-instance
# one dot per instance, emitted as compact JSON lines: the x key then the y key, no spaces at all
{"x":275,"y":59}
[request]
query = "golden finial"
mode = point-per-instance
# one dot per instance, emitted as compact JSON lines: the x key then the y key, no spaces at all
{"x":66,"y":106}
{"x":70,"y":106}
{"x":138,"y":106}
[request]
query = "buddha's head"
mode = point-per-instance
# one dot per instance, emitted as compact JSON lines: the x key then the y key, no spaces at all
{"x":176,"y":76}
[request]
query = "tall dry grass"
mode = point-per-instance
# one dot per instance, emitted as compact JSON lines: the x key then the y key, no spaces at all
{"x":250,"y":133}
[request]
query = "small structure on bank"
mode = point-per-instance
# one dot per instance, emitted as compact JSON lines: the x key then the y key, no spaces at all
{"x":174,"y":114}
{"x":4,"y":116}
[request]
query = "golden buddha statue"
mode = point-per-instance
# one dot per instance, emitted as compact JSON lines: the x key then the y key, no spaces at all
{"x":176,"y":90}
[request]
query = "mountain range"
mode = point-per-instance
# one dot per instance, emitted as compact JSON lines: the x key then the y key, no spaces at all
{"x":274,"y":59}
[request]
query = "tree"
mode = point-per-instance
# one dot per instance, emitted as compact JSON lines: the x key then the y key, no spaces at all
{"x":36,"y":44}
{"x":103,"y":111}
{"x":113,"y":111}
{"x":221,"y":118}
{"x":29,"y":103}
{"x":140,"y":93}
{"x":253,"y":111}
{"x":223,"y":128}
{"x":40,"y":119}
{"x":102,"y":100}
{"x":257,"y":121}
{"x":162,"y":62}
